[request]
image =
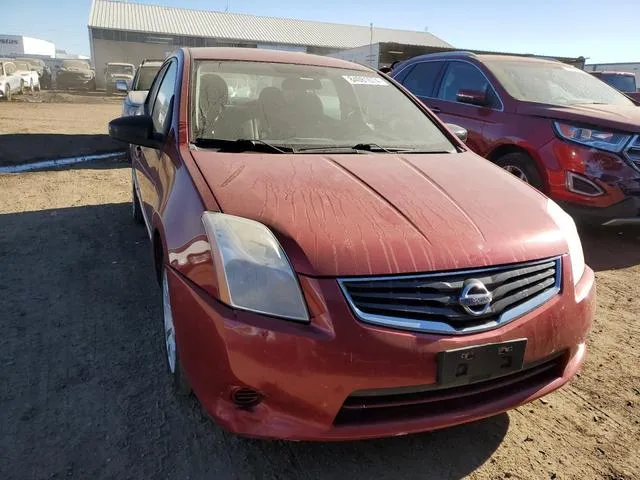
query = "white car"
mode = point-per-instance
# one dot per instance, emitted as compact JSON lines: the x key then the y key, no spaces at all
{"x":30,"y":78}
{"x":10,"y":80}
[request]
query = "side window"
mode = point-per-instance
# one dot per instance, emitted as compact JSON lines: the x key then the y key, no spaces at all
{"x":163,"y":99}
{"x":9,"y":68}
{"x":422,"y":79}
{"x":330,"y":99}
{"x":153,"y":89}
{"x":464,"y":76}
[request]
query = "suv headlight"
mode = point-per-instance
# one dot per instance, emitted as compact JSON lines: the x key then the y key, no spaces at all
{"x":568,"y":228}
{"x":253,"y":271}
{"x":601,"y":139}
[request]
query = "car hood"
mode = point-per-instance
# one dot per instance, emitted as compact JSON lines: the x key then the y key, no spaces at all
{"x":612,"y":116}
{"x":136,"y":98}
{"x":372,"y":214}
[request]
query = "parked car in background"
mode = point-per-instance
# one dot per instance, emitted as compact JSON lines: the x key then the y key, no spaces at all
{"x":623,"y":81}
{"x":137,"y":95}
{"x":43,"y":70}
{"x":29,"y":77}
{"x":550,"y":124}
{"x":10,"y":79}
{"x":118,"y":71}
{"x":350,"y":273}
{"x":75,"y":74}
{"x":137,"y":91}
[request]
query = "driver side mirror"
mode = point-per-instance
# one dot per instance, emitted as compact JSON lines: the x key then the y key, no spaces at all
{"x":473,"y":97}
{"x":121,"y":86}
{"x":458,"y":131}
{"x":136,"y":130}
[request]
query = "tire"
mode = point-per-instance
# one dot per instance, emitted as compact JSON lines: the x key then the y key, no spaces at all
{"x":522,"y":166}
{"x":21,"y":87}
{"x":136,"y":209}
{"x":32,"y":87}
{"x":180,"y":384}
{"x":8,"y":95}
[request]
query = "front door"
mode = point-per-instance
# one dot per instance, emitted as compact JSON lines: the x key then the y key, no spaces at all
{"x":463,"y":75}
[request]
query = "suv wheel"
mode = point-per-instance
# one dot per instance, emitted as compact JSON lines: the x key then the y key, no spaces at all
{"x":7,"y":94}
{"x":523,"y":167}
{"x":21,"y":87}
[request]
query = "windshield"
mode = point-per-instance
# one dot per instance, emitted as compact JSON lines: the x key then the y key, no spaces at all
{"x":624,"y":83}
{"x":75,"y":64}
{"x":122,"y":69}
{"x":300,"y":105}
{"x":145,"y":77}
{"x":22,"y":66}
{"x":553,"y":83}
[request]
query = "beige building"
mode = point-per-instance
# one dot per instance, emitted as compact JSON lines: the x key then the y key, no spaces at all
{"x":130,"y":32}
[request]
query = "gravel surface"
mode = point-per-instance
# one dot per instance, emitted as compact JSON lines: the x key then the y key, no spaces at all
{"x":43,"y":131}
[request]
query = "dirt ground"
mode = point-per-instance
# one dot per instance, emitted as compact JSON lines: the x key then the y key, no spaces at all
{"x":84,"y":391}
{"x":50,"y":124}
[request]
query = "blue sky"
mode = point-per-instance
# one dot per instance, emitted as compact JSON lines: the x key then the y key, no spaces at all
{"x":603,"y":31}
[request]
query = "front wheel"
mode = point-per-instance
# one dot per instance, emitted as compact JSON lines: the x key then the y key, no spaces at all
{"x":180,"y":383}
{"x":7,"y":94}
{"x":522,"y":166}
{"x":21,"y":87}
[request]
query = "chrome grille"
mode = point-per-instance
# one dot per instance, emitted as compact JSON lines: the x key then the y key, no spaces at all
{"x":632,"y":152}
{"x":431,"y":302}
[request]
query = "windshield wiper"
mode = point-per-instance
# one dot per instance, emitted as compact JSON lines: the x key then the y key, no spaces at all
{"x":241,"y":145}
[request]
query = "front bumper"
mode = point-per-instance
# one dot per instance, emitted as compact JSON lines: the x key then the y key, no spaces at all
{"x":623,"y":213}
{"x":619,"y":182}
{"x":305,"y":373}
{"x":74,"y":80}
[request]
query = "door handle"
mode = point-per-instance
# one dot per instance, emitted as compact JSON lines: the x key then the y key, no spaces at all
{"x":434,"y":109}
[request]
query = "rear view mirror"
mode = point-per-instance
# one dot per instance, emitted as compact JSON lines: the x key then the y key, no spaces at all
{"x":121,"y":86}
{"x":472,"y":97}
{"x":135,"y":130}
{"x":458,"y":131}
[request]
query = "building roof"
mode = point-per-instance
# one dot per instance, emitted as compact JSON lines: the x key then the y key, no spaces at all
{"x":112,"y":15}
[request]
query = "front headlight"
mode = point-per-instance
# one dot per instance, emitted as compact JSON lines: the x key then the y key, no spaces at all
{"x":568,"y":228}
{"x":253,"y":271}
{"x":601,"y":139}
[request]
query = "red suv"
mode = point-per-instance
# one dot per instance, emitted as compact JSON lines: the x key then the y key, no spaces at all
{"x":556,"y":127}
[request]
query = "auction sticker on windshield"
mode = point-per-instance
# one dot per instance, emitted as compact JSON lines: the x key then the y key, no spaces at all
{"x":363,"y":80}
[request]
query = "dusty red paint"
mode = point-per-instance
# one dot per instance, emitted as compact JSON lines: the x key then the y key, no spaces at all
{"x":335,"y":216}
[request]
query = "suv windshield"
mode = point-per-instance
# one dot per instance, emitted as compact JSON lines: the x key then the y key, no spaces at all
{"x":553,"y":83}
{"x":301,"y":105}
{"x":145,"y":77}
{"x":75,"y":64}
{"x":123,"y":69}
{"x":624,"y":83}
{"x":22,"y":66}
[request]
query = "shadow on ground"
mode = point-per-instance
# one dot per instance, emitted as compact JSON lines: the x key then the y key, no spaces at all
{"x":611,"y":248}
{"x":85,"y":393}
{"x":16,"y":149}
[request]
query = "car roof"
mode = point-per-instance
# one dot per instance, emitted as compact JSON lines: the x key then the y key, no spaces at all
{"x":607,"y":72}
{"x":271,"y":56}
{"x":479,"y":57}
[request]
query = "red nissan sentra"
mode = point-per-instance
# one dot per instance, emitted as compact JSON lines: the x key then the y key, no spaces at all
{"x":335,"y":264}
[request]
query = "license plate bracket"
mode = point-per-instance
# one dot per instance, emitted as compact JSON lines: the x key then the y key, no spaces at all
{"x":481,"y":362}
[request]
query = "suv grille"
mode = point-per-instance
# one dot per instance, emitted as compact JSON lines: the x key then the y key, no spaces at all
{"x":434,"y":302}
{"x":633,"y":152}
